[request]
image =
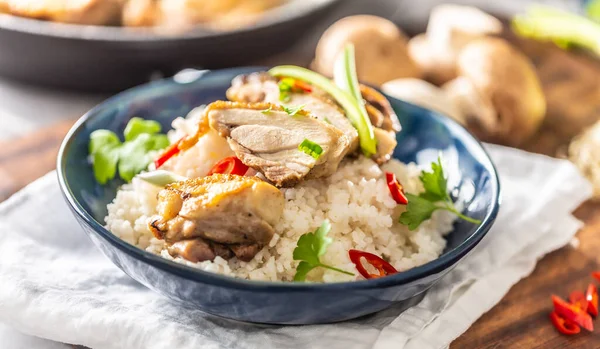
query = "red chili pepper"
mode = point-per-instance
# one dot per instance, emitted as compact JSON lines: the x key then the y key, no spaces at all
{"x":596,"y":275}
{"x":396,"y":188}
{"x":578,"y":299}
{"x":301,"y":85}
{"x":382,"y":266}
{"x":171,"y":151}
{"x":564,"y":326}
{"x":591,"y":296}
{"x":230,"y":165}
{"x":572,"y":313}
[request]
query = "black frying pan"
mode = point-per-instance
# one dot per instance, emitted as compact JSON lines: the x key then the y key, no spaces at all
{"x":107,"y":59}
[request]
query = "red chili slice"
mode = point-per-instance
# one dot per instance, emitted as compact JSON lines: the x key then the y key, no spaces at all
{"x":578,"y":299}
{"x":564,"y":326}
{"x":381,"y":265}
{"x":572,"y":313}
{"x":230,"y":165}
{"x":596,"y":275}
{"x":301,"y":85}
{"x":171,"y":151}
{"x":396,"y":189}
{"x":591,"y":296}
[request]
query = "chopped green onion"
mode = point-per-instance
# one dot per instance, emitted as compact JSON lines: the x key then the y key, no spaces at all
{"x":311,"y":148}
{"x":266,"y":111}
{"x":361,"y":122}
{"x":292,"y":110}
{"x":161,"y":177}
{"x":285,"y":88}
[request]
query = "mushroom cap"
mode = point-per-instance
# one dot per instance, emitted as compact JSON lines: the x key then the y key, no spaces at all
{"x":424,"y":94}
{"x":584,"y":152}
{"x":437,"y":67}
{"x":454,"y":26}
{"x":380,"y":49}
{"x":449,"y":30}
{"x":506,"y":78}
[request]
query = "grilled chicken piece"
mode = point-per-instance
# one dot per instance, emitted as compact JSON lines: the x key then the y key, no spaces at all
{"x":266,"y":138}
{"x":93,"y":12}
{"x":198,"y":250}
{"x":262,"y":87}
{"x":380,"y":110}
{"x":217,"y":213}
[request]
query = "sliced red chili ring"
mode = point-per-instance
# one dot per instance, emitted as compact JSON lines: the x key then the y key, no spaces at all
{"x":377,"y":262}
{"x":396,"y":189}
{"x":591,"y":296}
{"x":572,"y":313}
{"x":578,"y":299}
{"x":596,"y":275}
{"x":230,"y":165}
{"x":564,"y":326}
{"x":171,"y":151}
{"x":301,"y":85}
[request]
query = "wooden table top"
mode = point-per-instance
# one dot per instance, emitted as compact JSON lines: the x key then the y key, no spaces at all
{"x":572,"y":87}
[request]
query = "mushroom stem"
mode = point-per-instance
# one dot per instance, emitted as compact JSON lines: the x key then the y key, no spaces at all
{"x":426,"y":95}
{"x":471,"y":104}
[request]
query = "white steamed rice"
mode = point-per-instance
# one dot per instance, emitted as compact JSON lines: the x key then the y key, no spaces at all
{"x":355,"y":199}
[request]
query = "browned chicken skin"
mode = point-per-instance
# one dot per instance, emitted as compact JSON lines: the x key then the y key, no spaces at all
{"x":219,"y":215}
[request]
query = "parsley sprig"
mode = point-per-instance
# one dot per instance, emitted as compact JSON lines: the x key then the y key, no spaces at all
{"x":435,"y":197}
{"x":309,"y":248}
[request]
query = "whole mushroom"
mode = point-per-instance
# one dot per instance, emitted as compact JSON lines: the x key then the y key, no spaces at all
{"x":380,"y":48}
{"x":424,"y":94}
{"x":449,"y":30}
{"x":498,"y":91}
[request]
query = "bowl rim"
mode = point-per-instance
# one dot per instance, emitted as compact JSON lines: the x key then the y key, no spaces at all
{"x":439,"y":264}
{"x":288,"y":11}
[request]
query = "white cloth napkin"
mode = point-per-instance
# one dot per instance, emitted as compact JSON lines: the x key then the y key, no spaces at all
{"x":55,"y":284}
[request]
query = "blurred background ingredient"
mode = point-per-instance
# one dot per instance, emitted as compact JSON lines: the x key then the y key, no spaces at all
{"x":584,"y":152}
{"x":177,"y":15}
{"x":498,"y":91}
{"x":488,"y":85}
{"x":380,"y":46}
{"x":449,"y":30}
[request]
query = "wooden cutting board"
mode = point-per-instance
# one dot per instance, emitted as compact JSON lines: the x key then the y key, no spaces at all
{"x":572,"y":86}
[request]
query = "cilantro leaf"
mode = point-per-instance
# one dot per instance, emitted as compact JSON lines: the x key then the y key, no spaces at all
{"x":418,"y":210}
{"x":292,"y":110}
{"x":309,"y":248}
{"x":435,"y":197}
{"x":302,"y":270}
{"x":435,"y":183}
{"x":304,"y":250}
{"x":105,"y":164}
{"x":108,"y":154}
{"x":104,"y":150}
{"x":135,"y":155}
{"x":137,"y":126}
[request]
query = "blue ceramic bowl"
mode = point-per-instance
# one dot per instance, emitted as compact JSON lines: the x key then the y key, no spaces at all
{"x":425,"y":134}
